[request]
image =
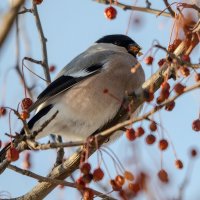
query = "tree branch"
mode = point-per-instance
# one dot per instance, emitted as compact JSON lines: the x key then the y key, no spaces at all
{"x":141,"y":9}
{"x":169,"y":8}
{"x":8,"y":20}
{"x":53,"y":181}
{"x":43,"y":43}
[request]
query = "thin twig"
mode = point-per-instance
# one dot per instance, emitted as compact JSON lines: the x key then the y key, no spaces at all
{"x":25,"y":10}
{"x":43,"y":43}
{"x":141,"y":9}
{"x":169,"y":8}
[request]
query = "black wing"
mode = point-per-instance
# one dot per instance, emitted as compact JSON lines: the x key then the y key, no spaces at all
{"x":64,"y":83}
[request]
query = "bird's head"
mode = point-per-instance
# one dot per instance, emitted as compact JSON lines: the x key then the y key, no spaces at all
{"x":123,"y":41}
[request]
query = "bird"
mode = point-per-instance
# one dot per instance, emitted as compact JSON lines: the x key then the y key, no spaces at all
{"x":89,"y":91}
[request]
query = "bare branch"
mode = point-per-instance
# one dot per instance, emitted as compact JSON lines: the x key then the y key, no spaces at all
{"x":43,"y":43}
{"x":169,"y":8}
{"x":141,"y":9}
{"x":53,"y":181}
{"x":8,"y":20}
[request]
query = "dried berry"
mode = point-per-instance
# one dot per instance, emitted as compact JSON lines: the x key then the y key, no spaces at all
{"x":193,"y":153}
{"x":2,"y":111}
{"x":87,"y":178}
{"x":135,"y":187}
{"x":88,"y":194}
{"x":176,"y":42}
{"x":98,"y":174}
{"x":110,"y":13}
{"x":128,"y":175}
{"x":130,"y":134}
{"x":163,"y":176}
{"x":170,"y":106}
{"x":120,"y":180}
{"x":85,"y":168}
{"x":165,"y":86}
{"x":52,"y":68}
{"x":161,"y":62}
{"x":115,"y":186}
{"x":80,"y":183}
{"x":196,"y":125}
{"x":179,"y":88}
{"x":150,"y":139}
{"x":139,"y":132}
{"x":149,"y":60}
{"x":184,"y":71}
{"x":163,"y":144}
{"x":12,"y":154}
{"x":171,"y":48}
{"x":26,"y":103}
{"x":185,"y":58}
{"x":24,"y":115}
{"x":148,"y":96}
{"x":179,"y":164}
{"x":153,"y":126}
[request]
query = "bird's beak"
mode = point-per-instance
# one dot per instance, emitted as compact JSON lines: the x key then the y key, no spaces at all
{"x":135,"y":50}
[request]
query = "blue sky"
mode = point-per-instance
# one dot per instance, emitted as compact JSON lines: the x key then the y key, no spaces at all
{"x":71,"y":27}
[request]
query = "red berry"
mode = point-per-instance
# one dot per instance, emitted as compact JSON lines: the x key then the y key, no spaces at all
{"x":135,"y":187}
{"x":184,"y":71}
{"x":130,"y":134}
{"x":153,"y":126}
{"x":179,"y":88}
{"x":150,"y":139}
{"x":149,"y":60}
{"x":196,"y":125}
{"x":164,"y":94}
{"x":170,"y":106}
{"x":38,"y":1}
{"x":185,"y":58}
{"x":163,"y":176}
{"x":148,"y":96}
{"x":115,"y":186}
{"x":139,"y":132}
{"x":52,"y":68}
{"x":80,"y":183}
{"x":12,"y":154}
{"x":88,"y":194}
{"x":179,"y":164}
{"x":176,"y":42}
{"x":161,"y":62}
{"x":160,"y":99}
{"x":24,"y":115}
{"x":85,"y":168}
{"x":2,"y":111}
{"x":26,"y":103}
{"x":165,"y":86}
{"x":197,"y":77}
{"x":193,"y":152}
{"x":110,"y":13}
{"x":171,"y":48}
{"x":128,"y":175}
{"x":163,"y":144}
{"x":120,"y":180}
{"x":98,"y":174}
{"x":87,"y":178}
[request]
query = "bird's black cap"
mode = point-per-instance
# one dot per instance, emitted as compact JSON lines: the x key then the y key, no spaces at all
{"x":122,"y":41}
